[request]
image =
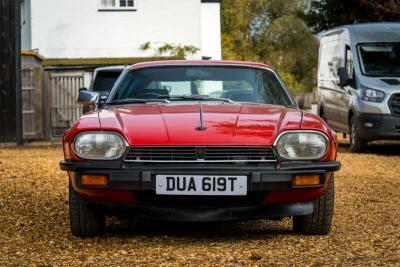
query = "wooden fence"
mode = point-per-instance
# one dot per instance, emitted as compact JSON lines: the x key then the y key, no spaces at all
{"x":32,"y":103}
{"x":64,"y":110}
{"x":306,"y":100}
{"x":49,"y":101}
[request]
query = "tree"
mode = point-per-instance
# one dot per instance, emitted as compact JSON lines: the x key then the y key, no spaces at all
{"x":271,"y":31}
{"x":326,"y":14}
{"x":240,"y":23}
{"x":289,"y":46}
{"x":179,"y":51}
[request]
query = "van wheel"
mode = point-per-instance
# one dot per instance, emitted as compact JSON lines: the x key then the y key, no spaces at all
{"x":357,"y":145}
{"x":320,"y":221}
{"x":84,"y":221}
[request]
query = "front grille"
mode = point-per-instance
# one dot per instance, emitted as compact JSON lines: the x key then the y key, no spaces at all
{"x":200,"y":154}
{"x":394,"y":104}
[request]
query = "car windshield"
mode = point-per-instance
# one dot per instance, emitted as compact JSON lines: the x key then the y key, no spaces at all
{"x":104,"y":80}
{"x":196,"y":83}
{"x":380,"y":59}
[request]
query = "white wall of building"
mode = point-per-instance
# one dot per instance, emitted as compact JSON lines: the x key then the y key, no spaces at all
{"x":26,"y":24}
{"x":211,"y":30}
{"x":77,"y":29}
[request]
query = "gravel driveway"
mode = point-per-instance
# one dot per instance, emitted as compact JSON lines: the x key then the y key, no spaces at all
{"x":34,"y":228}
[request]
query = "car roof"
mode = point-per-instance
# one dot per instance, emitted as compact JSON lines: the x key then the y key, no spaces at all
{"x":199,"y":63}
{"x":111,"y":68}
{"x":370,"y":32}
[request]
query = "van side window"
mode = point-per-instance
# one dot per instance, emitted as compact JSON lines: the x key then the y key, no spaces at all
{"x":331,"y":58}
{"x":349,"y":64}
{"x":323,"y":61}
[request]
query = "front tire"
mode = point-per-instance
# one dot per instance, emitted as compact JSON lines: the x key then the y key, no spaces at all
{"x":84,"y":221}
{"x":357,"y":145}
{"x":320,"y":221}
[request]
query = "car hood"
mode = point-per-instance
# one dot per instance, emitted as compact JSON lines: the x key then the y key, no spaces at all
{"x":176,"y":124}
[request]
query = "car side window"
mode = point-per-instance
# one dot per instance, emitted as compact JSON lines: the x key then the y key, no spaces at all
{"x":104,"y":80}
{"x":273,"y":91}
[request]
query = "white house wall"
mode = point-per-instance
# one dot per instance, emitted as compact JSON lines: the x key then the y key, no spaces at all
{"x":26,"y":41}
{"x":77,"y":29}
{"x":211,"y":30}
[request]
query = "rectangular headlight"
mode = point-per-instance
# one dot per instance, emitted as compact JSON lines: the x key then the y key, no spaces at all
{"x":99,"y":145}
{"x":302,"y":145}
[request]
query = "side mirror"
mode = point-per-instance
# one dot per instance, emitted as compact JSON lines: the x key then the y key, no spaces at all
{"x":343,"y":77}
{"x":82,"y":89}
{"x":88,"y":98}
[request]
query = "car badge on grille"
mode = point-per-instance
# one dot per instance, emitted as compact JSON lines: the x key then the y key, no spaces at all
{"x":200,"y":152}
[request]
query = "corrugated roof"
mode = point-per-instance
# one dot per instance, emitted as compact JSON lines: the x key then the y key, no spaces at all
{"x":32,"y":53}
{"x":101,"y":61}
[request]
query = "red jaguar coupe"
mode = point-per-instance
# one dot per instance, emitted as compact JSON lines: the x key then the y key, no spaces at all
{"x":199,"y":141}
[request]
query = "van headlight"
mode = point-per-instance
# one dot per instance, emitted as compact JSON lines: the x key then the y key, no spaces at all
{"x":99,"y":145}
{"x":302,"y":145}
{"x":371,"y":95}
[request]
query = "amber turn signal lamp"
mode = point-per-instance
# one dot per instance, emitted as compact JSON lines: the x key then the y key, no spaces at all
{"x":67,"y":152}
{"x":94,"y":180}
{"x":305,"y":180}
{"x":333,"y":152}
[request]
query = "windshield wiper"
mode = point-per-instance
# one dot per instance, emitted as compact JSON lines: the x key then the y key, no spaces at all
{"x":136,"y":100}
{"x":195,"y":97}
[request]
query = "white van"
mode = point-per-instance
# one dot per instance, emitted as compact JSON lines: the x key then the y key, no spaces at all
{"x":359,"y":81}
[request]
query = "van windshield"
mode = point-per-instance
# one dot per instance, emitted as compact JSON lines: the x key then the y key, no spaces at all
{"x":380,"y":59}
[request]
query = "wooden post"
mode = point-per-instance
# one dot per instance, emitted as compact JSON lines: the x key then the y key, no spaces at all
{"x":38,"y":103}
{"x":10,"y":72}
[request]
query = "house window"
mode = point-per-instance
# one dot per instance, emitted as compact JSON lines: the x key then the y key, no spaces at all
{"x":106,"y":5}
{"x":126,"y":3}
